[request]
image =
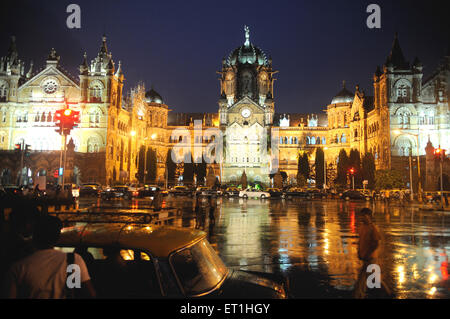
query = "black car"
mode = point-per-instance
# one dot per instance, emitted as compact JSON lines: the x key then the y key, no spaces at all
{"x":148,"y":191}
{"x":231,"y":192}
{"x":296,"y":193}
{"x":89,"y":190}
{"x":316,"y":193}
{"x":181,"y":191}
{"x":354,"y":194}
{"x":275,"y":192}
{"x":116,"y":192}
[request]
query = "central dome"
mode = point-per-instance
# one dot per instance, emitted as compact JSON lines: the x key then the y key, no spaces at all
{"x":247,"y":53}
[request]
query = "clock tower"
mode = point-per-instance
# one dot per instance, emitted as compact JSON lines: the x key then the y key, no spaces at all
{"x":246,"y":111}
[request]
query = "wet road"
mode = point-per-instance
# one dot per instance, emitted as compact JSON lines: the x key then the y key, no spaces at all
{"x":314,"y":243}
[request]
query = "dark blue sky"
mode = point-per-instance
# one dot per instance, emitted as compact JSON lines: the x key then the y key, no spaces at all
{"x":178,"y":45}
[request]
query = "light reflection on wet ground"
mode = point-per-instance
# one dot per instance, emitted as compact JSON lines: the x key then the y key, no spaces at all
{"x":314,"y":244}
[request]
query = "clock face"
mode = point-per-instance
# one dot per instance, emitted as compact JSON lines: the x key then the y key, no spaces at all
{"x":246,"y":113}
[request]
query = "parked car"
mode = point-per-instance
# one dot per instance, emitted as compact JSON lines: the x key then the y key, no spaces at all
{"x":134,"y":189}
{"x":115,"y":193}
{"x":89,"y":190}
{"x":275,"y":192}
{"x":317,"y":193}
{"x":296,"y":192}
{"x":12,"y":190}
{"x":354,"y":194}
{"x":181,"y":191}
{"x":207,"y":191}
{"x":148,"y":191}
{"x":249,"y":193}
{"x":231,"y":192}
{"x":162,"y":261}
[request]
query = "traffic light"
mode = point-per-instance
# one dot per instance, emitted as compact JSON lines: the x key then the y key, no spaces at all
{"x":56,"y":173}
{"x":66,"y":119}
{"x":351,"y":171}
{"x":27,"y":150}
{"x":439,"y":153}
{"x":18,"y":148}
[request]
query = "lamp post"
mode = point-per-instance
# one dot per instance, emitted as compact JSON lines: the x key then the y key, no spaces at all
{"x":419,"y":183}
{"x":440,"y":153}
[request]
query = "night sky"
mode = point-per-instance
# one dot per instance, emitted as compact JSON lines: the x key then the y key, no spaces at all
{"x":177,"y":46}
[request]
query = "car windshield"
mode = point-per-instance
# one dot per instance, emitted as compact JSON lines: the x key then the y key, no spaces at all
{"x":198,"y":268}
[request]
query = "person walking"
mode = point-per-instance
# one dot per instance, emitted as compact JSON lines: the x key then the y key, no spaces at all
{"x":43,"y":274}
{"x":368,"y":252}
{"x":157,"y":200}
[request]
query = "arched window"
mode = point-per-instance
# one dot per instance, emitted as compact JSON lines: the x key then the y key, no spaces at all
{"x":4,"y":115}
{"x":96,"y":91}
{"x":94,"y":118}
{"x":343,"y":138}
{"x":3,"y":91}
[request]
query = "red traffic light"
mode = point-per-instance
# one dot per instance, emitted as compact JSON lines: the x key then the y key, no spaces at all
{"x":55,"y":173}
{"x":352,"y":171}
{"x":66,"y":119}
{"x":18,"y":147}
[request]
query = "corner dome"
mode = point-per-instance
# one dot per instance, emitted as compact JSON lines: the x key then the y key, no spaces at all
{"x":153,"y":97}
{"x":344,"y":96}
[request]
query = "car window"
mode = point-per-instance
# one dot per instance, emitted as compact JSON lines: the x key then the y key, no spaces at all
{"x":120,"y":273}
{"x":198,"y":268}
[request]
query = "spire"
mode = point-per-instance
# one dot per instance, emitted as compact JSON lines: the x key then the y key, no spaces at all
{"x":396,"y":57}
{"x":343,"y":84}
{"x":247,"y":36}
{"x":30,"y":71}
{"x":103,"y":48}
{"x":119,"y":69}
{"x":12,"y":51}
{"x":378,"y":71}
{"x":84,"y":67}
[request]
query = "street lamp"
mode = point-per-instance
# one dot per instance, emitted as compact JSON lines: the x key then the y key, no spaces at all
{"x":440,"y":154}
{"x":419,"y":184}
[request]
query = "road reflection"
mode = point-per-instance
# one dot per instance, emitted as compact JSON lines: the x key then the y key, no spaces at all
{"x":314,"y":244}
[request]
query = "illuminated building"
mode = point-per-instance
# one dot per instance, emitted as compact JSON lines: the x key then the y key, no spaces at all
{"x":405,"y":114}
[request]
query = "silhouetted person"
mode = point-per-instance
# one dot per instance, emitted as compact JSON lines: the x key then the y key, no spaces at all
{"x":368,"y":253}
{"x":15,"y":241}
{"x":157,"y":201}
{"x":43,"y":274}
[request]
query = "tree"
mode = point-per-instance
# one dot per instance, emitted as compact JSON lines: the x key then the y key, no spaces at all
{"x":171,"y":167}
{"x":151,"y":166}
{"x":200,"y":171}
{"x":140,"y":173}
{"x":303,"y":166}
{"x":342,"y":168}
{"x":319,"y":164}
{"x":188,"y":174}
{"x":368,"y":170}
{"x":388,"y":179}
